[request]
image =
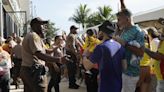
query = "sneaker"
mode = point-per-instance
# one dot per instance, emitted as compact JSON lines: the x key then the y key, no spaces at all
{"x":77,"y":85}
{"x":74,"y":87}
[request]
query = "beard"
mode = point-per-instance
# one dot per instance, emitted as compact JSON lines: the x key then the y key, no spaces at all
{"x":40,"y":33}
{"x":42,"y":36}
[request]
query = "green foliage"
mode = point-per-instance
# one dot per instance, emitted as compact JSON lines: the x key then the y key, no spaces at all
{"x":51,"y":29}
{"x":84,"y":17}
{"x":103,"y":13}
{"x":81,"y":15}
{"x":93,"y":20}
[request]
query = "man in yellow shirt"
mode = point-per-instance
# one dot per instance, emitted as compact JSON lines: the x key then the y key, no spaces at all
{"x":91,"y":75}
{"x":159,"y":64}
{"x":91,"y":41}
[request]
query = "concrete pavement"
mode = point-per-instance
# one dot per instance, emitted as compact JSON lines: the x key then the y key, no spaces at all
{"x":63,"y":88}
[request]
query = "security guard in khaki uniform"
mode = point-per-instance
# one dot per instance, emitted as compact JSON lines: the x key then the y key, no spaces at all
{"x":34,"y":57}
{"x":72,"y":45}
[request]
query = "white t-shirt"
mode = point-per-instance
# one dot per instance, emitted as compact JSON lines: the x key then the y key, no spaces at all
{"x":154,"y":44}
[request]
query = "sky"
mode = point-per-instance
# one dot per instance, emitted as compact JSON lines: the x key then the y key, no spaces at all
{"x":59,"y":11}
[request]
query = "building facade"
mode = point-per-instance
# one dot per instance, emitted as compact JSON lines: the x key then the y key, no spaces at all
{"x":13,"y":17}
{"x":150,"y":18}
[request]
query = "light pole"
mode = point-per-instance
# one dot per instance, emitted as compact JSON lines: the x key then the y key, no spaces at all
{"x":25,"y":15}
{"x":1,"y":19}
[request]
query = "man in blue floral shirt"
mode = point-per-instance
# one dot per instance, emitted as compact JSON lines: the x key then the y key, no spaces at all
{"x":130,"y":32}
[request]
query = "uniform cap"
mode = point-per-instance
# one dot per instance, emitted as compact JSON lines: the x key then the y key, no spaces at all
{"x":73,"y":27}
{"x":38,"y":20}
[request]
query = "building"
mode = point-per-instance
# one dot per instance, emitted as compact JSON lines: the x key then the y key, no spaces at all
{"x":26,"y":5}
{"x":14,"y":15}
{"x":150,"y":18}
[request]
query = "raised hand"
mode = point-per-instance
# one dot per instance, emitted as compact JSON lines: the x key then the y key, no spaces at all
{"x":122,"y":5}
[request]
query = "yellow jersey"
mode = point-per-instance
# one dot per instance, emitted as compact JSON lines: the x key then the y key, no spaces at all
{"x":91,"y":43}
{"x":159,"y":65}
{"x":146,"y":59}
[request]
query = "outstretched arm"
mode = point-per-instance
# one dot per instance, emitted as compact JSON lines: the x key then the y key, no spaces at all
{"x":155,"y":55}
{"x":122,"y":5}
{"x":46,"y":57}
{"x":135,"y":50}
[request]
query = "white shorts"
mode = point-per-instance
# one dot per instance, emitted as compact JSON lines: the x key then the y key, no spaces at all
{"x":160,"y":86}
{"x":129,"y":83}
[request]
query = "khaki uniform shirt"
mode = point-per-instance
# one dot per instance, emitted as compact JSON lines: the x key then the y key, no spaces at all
{"x":71,"y":43}
{"x":32,"y":43}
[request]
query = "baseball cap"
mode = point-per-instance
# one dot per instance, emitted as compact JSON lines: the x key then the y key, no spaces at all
{"x":38,"y":20}
{"x":107,"y":27}
{"x":73,"y":27}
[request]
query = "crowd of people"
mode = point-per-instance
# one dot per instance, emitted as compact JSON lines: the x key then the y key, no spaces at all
{"x":118,"y":57}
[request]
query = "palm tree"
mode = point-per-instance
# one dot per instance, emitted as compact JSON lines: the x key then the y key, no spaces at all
{"x":93,"y":20}
{"x":105,"y":13}
{"x":51,"y":29}
{"x":81,"y":15}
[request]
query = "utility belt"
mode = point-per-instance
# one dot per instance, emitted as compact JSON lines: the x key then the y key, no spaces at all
{"x":72,"y":58}
{"x":36,"y":68}
{"x":37,"y":71}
